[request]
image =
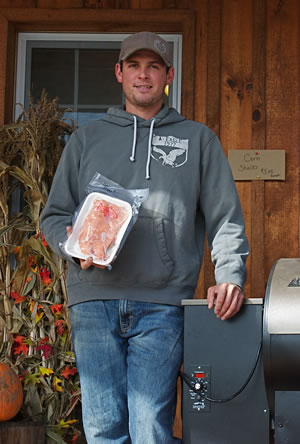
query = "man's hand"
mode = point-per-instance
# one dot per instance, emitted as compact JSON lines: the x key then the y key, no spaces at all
{"x":84,"y":263}
{"x":227,"y":298}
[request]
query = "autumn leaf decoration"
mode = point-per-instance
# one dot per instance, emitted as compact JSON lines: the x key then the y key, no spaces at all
{"x":67,"y":371}
{"x":17,"y":297}
{"x":20,"y":346}
{"x":45,"y":276}
{"x":35,"y":337}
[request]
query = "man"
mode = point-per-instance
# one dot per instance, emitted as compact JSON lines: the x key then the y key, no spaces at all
{"x":127,"y":323}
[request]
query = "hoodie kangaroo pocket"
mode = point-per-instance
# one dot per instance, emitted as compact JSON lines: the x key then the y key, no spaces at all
{"x":144,"y":258}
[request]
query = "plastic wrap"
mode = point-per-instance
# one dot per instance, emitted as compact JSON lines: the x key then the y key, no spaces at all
{"x":103,"y":220}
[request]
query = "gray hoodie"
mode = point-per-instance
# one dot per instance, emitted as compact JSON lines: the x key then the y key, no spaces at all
{"x":191,"y":192}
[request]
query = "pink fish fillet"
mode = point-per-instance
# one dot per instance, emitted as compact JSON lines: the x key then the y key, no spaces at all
{"x":100,"y":228}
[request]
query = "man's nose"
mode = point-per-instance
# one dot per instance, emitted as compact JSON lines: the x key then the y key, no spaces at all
{"x":143,"y":73}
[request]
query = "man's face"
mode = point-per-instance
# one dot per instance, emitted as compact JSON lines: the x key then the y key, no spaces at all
{"x":144,"y":77}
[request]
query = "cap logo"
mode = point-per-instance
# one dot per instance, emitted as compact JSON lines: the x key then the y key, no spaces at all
{"x":160,"y":46}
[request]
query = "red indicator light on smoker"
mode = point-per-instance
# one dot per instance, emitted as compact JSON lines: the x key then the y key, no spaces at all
{"x":199,"y":375}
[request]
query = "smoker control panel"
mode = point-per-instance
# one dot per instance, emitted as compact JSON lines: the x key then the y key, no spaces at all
{"x":200,"y":380}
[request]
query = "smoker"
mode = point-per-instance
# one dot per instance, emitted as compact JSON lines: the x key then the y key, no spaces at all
{"x":224,"y":397}
{"x":281,"y":345}
{"x":241,"y":378}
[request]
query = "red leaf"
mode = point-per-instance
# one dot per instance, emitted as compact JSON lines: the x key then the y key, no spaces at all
{"x":56,"y":308}
{"x":45,"y":276}
{"x":59,"y":324}
{"x":17,"y":297}
{"x":75,"y":437}
{"x":46,"y":350}
{"x":31,"y":261}
{"x":43,"y":240}
{"x":19,"y":339}
{"x":67,"y":371}
{"x":19,"y":346}
{"x":44,"y":340}
{"x":42,"y":237}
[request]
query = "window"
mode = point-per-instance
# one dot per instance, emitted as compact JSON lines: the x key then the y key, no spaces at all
{"x":79,"y":70}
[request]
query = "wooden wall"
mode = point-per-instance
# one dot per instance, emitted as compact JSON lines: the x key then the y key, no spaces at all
{"x":244,"y":85}
{"x":249,"y":52}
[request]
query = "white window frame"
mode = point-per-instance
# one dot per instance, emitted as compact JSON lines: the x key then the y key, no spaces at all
{"x":23,"y":37}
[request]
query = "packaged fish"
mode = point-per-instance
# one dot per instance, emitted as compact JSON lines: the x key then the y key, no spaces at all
{"x":103,"y":220}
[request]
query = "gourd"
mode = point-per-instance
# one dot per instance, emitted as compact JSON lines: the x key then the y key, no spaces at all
{"x":11,"y":393}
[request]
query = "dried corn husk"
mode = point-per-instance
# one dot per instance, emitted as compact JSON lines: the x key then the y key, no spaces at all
{"x":33,"y":300}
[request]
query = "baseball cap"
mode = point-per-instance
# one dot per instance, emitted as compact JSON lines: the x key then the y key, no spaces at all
{"x":146,"y":40}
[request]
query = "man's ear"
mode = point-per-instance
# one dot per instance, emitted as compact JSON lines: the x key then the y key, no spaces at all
{"x":170,"y":76}
{"x":118,"y":73}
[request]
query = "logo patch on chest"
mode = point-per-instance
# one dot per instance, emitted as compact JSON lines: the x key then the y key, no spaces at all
{"x":170,"y":150}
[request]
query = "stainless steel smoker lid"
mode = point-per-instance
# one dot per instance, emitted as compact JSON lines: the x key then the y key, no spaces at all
{"x":283,"y":298}
{"x":204,"y":301}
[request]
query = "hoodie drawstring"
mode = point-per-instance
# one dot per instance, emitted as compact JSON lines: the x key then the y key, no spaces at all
{"x":132,"y":157}
{"x":149,"y":149}
{"x":133,"y":148}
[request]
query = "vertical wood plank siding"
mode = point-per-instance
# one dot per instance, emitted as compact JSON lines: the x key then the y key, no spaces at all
{"x":200,"y":97}
{"x":282,"y":125}
{"x":237,"y":90}
{"x":3,"y":65}
{"x":257,"y":278}
{"x":213,"y":68}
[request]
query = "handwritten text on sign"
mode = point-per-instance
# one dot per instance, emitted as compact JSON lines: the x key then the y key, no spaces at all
{"x":257,"y":165}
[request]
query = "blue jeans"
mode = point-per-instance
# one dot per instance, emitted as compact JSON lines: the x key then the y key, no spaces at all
{"x":128,"y":356}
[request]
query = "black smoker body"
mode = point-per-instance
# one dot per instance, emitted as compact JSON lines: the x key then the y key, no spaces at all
{"x":242,"y":376}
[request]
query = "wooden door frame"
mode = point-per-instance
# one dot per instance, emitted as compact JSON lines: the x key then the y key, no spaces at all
{"x":15,"y":20}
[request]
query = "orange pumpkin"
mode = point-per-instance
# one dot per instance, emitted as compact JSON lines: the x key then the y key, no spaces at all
{"x":11,"y":393}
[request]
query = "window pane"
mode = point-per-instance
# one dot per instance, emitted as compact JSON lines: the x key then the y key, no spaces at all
{"x":53,"y":69}
{"x":79,"y":70}
{"x":97,"y":81}
{"x":83,"y":117}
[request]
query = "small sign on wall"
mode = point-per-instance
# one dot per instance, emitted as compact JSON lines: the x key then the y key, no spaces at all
{"x":257,"y":165}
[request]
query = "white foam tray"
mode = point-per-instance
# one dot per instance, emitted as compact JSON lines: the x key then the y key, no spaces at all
{"x":72,"y":244}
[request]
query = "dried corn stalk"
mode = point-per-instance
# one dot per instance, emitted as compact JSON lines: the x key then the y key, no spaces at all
{"x":34,"y":329}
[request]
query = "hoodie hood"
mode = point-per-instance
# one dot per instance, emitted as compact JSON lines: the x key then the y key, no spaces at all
{"x":118,"y":116}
